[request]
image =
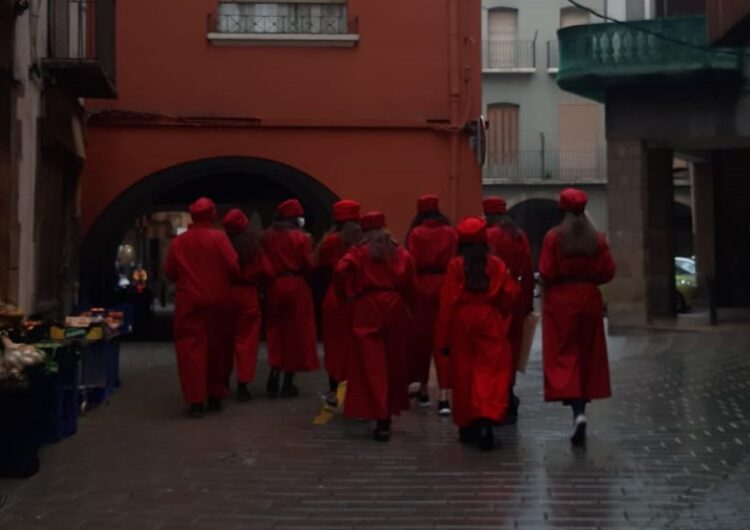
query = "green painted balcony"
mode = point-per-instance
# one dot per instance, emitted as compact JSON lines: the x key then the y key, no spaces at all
{"x":598,"y":57}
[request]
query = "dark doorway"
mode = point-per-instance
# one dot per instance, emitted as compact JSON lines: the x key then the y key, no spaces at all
{"x":536,"y":217}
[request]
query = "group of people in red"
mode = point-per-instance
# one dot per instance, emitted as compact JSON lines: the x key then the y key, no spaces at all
{"x":456,"y":297}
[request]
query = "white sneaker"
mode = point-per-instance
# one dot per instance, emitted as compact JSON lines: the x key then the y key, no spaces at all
{"x":578,"y":438}
{"x":444,"y":408}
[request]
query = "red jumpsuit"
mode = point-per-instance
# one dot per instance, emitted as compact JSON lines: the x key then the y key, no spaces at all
{"x":336,"y":313}
{"x":432,"y":245}
{"x":515,"y":252}
{"x":378,"y":382}
{"x":247,"y":303}
{"x":474,"y":326}
{"x":290,"y":313}
{"x":203,"y":264}
{"x":574,"y":344}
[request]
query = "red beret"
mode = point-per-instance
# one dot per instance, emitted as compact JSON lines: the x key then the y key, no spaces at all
{"x":472,"y":230}
{"x":346,"y":210}
{"x":290,"y":208}
{"x":495,"y":205}
{"x":373,"y":221}
{"x":428,"y":203}
{"x":235,"y":222}
{"x":203,"y":210}
{"x":573,"y":200}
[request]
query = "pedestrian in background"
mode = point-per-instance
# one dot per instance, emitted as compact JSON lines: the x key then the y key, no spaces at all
{"x":431,"y":241}
{"x":290,"y":313}
{"x":337,"y":312}
{"x":378,"y":277}
{"x":255,"y":271}
{"x":476,"y":305}
{"x":203,"y":264}
{"x":510,"y":244}
{"x":575,"y":260}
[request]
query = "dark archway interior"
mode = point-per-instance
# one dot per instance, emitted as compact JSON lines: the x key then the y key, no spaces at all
{"x":683,"y":230}
{"x":536,"y":217}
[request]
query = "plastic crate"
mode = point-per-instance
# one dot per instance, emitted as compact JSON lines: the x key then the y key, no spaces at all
{"x":60,"y":401}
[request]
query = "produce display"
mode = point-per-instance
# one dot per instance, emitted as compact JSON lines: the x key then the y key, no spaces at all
{"x":15,"y":359}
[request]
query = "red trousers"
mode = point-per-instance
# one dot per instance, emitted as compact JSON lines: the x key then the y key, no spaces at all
{"x":247,"y":332}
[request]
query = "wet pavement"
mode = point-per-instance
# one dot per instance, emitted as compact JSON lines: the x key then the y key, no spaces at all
{"x":670,"y":450}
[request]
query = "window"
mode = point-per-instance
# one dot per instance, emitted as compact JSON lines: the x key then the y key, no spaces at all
{"x":503,"y":38}
{"x":503,"y":134}
{"x":581,"y":155}
{"x":291,"y":18}
{"x":573,"y":16}
{"x":675,"y":8}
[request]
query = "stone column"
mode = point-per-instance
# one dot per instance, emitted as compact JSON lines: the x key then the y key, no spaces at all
{"x":704,"y":236}
{"x":640,"y":199}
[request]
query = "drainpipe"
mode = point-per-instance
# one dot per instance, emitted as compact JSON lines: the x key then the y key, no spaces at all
{"x":454,"y":59}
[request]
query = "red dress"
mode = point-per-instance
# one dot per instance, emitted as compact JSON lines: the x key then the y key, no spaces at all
{"x":336,"y":313}
{"x":474,"y":326}
{"x":432,"y":245}
{"x":574,"y":343}
{"x":247,"y":303}
{"x":378,"y":383}
{"x":514,"y":250}
{"x":290,"y":313}
{"x":203,"y":264}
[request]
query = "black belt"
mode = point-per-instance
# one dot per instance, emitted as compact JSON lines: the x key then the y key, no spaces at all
{"x":431,"y":270}
{"x":289,"y":274}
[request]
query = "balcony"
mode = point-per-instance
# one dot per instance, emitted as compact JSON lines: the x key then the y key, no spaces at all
{"x":509,"y":57}
{"x":81,"y":58}
{"x":547,"y":167}
{"x":595,"y":58}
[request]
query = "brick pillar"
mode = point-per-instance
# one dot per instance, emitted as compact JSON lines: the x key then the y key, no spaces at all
{"x":641,"y":203}
{"x":704,"y":236}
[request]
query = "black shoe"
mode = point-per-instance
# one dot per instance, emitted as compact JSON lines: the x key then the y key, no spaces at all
{"x":382,"y":432}
{"x":213,"y":405}
{"x":467,"y":435}
{"x":196,"y":410}
{"x":243,"y":394}
{"x":288,"y":389}
{"x":272,"y":386}
{"x":486,"y":438}
{"x":444,"y":408}
{"x":423,"y":399}
{"x":578,"y":439}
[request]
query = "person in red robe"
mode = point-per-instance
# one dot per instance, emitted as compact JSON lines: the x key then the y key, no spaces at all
{"x":432,"y":243}
{"x":290,"y":312}
{"x":510,"y":244}
{"x":337,"y":313}
{"x":255,"y":270}
{"x":574,"y":261}
{"x":476,"y":304}
{"x":378,"y":277}
{"x":203,"y":264}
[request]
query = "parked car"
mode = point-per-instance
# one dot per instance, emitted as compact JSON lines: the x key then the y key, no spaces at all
{"x":685,"y":282}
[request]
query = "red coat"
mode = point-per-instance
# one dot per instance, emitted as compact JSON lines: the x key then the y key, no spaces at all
{"x":336,"y":313}
{"x":203,"y":264}
{"x":290,"y":313}
{"x":574,"y":343}
{"x":474,"y":326}
{"x":432,"y":245}
{"x":248,"y":321}
{"x":514,"y":250}
{"x":378,"y":383}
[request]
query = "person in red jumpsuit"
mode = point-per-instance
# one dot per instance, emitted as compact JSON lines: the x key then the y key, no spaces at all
{"x":379,"y":277}
{"x":337,"y":313}
{"x":574,"y":261}
{"x":432,"y":243}
{"x":476,"y":304}
{"x":510,"y":244}
{"x":255,"y":270}
{"x":290,"y":312}
{"x":203,"y":264}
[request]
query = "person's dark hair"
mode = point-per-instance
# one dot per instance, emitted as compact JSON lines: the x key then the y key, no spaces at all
{"x":503,"y":221}
{"x":382,"y":245}
{"x":578,"y":236}
{"x":247,"y":244}
{"x":475,"y":255}
{"x":349,"y":231}
{"x":423,"y":216}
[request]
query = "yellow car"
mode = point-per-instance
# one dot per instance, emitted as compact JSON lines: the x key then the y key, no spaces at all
{"x":685,"y":282}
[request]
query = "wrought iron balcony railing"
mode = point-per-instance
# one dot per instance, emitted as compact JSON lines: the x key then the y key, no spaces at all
{"x":287,"y":24}
{"x":597,"y":57}
{"x":555,"y":167}
{"x":509,"y":55}
{"x":81,"y":55}
{"x":553,"y":56}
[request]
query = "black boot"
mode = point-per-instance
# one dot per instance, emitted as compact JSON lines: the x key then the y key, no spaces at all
{"x":272,"y":386}
{"x":214,"y":404}
{"x":243,"y":394}
{"x":512,"y":417}
{"x":485,"y":436}
{"x":289,"y":390}
{"x":382,"y":432}
{"x":196,"y":410}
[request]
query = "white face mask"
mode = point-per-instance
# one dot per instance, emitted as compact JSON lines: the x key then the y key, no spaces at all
{"x":301,"y":222}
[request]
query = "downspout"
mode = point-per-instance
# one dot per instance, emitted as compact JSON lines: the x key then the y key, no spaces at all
{"x":454,"y":61}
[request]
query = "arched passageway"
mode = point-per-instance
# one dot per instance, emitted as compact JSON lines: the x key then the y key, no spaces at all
{"x":536,"y":217}
{"x":683,"y":230}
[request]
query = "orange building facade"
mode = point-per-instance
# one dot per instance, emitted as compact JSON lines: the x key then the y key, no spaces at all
{"x":253,"y":103}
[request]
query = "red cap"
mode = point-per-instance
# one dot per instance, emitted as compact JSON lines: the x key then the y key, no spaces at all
{"x":495,"y":205}
{"x":346,"y":210}
{"x":428,"y":203}
{"x":203,"y":211}
{"x":573,"y":200}
{"x":235,"y":222}
{"x":472,"y":230}
{"x":373,"y":221}
{"x":290,"y":208}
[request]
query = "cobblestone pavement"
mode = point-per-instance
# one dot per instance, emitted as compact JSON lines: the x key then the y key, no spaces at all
{"x":670,"y":450}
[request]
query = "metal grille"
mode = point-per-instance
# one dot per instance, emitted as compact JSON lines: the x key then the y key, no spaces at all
{"x":509,"y":54}
{"x":569,"y":167}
